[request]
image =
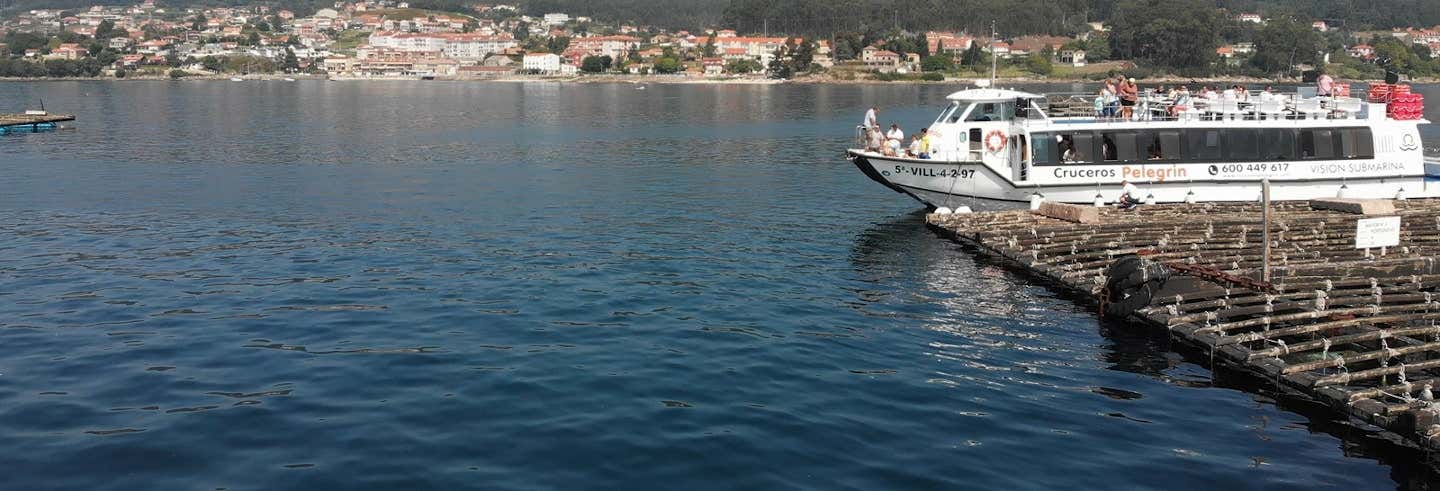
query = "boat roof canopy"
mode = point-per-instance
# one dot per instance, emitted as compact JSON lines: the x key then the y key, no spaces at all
{"x":990,"y":95}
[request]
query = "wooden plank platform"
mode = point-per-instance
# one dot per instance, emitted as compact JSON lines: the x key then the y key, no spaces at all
{"x":7,"y":120}
{"x":1353,"y":329}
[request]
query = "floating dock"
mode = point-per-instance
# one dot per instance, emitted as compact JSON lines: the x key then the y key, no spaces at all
{"x":32,"y":122}
{"x":1352,"y":328}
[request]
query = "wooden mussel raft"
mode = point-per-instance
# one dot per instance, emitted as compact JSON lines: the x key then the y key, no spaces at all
{"x":32,"y":121}
{"x":1355,"y":329}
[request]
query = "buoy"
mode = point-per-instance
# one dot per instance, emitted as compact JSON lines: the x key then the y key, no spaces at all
{"x":943,"y":211}
{"x":1190,"y":197}
{"x":1344,"y":190}
{"x":1150,"y":199}
{"x":1400,"y":196}
{"x":1035,"y":200}
{"x":1099,"y":200}
{"x":963,"y":210}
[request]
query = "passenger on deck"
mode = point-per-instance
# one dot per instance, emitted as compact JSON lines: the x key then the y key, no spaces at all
{"x":924,"y":143}
{"x":1107,"y":99}
{"x":874,"y":140}
{"x":1241,"y":94}
{"x":1129,"y":93}
{"x":1268,"y":94}
{"x":1324,"y":86}
{"x":871,"y":119}
{"x":1182,"y":102}
{"x":914,"y":150}
{"x":894,"y":139}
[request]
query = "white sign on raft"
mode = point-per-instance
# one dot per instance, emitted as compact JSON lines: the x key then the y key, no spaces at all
{"x":1377,"y":232}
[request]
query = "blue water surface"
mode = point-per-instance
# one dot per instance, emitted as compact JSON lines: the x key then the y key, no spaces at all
{"x":432,"y":285}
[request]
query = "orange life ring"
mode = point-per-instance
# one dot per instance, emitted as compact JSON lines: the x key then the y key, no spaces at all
{"x":995,"y":141}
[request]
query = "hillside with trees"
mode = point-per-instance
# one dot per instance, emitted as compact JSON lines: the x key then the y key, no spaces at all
{"x":1012,"y":17}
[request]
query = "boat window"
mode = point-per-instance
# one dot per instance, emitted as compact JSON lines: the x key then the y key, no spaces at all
{"x":1161,"y":145}
{"x":1126,"y":146}
{"x":975,"y":139}
{"x":955,"y":116}
{"x":992,"y":111}
{"x":1277,"y":144}
{"x":1107,"y":147}
{"x":1202,"y":145}
{"x":1242,"y":144}
{"x":1037,"y":108}
{"x":1317,"y":144}
{"x":946,"y":114}
{"x":1078,"y":148}
{"x":1045,"y":148}
{"x":1355,"y":143}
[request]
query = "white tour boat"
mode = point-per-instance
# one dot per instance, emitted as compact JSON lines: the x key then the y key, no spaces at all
{"x":1003,"y":145}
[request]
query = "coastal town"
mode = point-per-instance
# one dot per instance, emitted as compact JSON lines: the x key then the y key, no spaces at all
{"x":387,"y":39}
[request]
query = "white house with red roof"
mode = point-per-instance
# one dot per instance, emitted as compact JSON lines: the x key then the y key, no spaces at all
{"x":755,"y":48}
{"x":880,"y":59}
{"x":612,"y":46}
{"x":949,"y":42}
{"x":1362,"y":51}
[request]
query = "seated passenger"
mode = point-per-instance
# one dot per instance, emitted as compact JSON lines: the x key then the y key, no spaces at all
{"x":1182,"y":102}
{"x":914,"y":150}
{"x":894,"y":139}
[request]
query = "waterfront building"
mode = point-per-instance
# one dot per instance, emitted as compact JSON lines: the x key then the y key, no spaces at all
{"x":541,"y":63}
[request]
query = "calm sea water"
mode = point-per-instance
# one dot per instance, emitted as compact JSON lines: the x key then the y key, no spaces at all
{"x":270,"y":285}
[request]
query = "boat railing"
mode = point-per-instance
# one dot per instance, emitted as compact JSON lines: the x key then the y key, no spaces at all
{"x":1252,"y":105}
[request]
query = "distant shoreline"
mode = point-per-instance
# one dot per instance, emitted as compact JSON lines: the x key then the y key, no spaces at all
{"x":673,"y":80}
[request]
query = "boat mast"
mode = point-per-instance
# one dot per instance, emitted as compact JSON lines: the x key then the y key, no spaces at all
{"x":992,"y":52}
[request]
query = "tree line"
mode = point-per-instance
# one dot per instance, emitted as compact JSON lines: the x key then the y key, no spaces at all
{"x":1012,"y":17}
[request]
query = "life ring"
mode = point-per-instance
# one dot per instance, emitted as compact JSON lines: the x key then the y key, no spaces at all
{"x":995,"y":141}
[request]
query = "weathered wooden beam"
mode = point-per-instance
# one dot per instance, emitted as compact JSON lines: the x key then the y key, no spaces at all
{"x":1355,"y":206}
{"x":1069,"y":213}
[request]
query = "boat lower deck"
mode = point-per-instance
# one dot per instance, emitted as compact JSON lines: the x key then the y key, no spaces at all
{"x":1354,"y":329}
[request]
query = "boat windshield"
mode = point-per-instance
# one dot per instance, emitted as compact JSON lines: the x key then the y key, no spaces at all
{"x":992,"y":111}
{"x":950,"y":114}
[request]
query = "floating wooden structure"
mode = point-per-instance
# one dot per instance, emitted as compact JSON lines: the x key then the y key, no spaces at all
{"x":1352,"y":328}
{"x":32,"y":122}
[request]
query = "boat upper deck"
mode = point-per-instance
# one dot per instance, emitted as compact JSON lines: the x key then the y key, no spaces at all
{"x":989,"y":105}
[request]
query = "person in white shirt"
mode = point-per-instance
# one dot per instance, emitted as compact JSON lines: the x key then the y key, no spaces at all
{"x":914,"y":151}
{"x":894,"y":138}
{"x":872,"y":120}
{"x":1129,"y":195}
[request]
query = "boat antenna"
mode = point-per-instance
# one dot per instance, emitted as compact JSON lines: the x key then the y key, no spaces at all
{"x":42,"y":103}
{"x":992,"y":52}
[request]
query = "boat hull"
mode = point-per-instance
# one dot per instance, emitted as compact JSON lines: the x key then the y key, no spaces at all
{"x":939,"y":183}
